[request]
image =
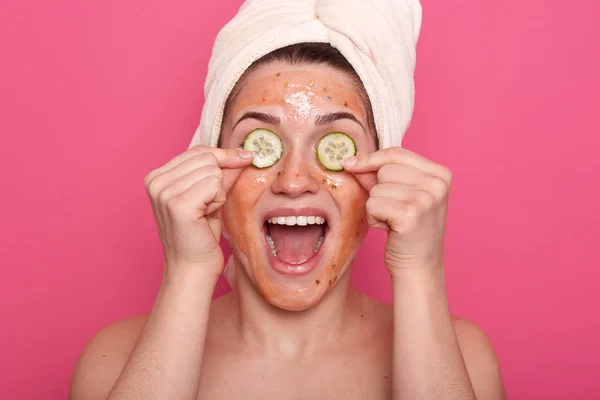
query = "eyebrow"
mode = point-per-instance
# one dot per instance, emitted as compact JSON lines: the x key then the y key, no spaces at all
{"x":329,"y":118}
{"x":262,"y":117}
{"x":324,"y":119}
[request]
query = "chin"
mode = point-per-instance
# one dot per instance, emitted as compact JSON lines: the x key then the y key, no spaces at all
{"x":292,"y":292}
{"x":296,"y":256}
{"x":295,"y":302}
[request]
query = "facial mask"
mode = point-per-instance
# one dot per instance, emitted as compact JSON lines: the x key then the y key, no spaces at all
{"x":301,"y":102}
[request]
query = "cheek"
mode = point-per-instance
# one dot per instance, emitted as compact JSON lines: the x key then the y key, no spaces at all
{"x":238,"y":210}
{"x":347,"y":193}
{"x":350,"y":199}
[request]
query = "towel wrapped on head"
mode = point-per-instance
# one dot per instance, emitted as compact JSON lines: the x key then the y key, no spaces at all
{"x":377,"y":37}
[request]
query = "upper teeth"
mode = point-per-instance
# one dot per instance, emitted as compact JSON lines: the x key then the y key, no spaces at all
{"x":300,"y":220}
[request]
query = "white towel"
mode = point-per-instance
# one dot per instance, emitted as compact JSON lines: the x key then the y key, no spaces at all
{"x":377,"y":37}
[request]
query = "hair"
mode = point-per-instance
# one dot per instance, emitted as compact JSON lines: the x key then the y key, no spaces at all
{"x":308,"y":53}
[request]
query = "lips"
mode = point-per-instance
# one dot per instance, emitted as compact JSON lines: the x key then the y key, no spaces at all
{"x":294,"y":239}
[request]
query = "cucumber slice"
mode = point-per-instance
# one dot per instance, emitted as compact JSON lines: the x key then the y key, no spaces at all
{"x":333,"y":148}
{"x":266,"y":145}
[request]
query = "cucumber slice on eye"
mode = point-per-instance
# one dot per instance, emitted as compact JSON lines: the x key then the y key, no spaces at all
{"x":266,"y":145}
{"x":333,"y":148}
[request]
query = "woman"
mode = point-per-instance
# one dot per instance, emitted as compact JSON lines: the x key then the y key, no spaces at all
{"x":293,"y":327}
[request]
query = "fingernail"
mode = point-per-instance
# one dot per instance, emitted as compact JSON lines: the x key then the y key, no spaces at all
{"x":246,"y":154}
{"x":350,"y":161}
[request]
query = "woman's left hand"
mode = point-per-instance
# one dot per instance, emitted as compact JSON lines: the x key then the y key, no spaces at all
{"x":408,"y":196}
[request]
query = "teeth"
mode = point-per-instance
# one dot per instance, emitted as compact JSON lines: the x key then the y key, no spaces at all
{"x":290,"y":221}
{"x":297,"y":220}
{"x":271,"y":245}
{"x":319,"y":243}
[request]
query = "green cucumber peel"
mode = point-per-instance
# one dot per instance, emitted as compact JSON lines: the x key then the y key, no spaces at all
{"x":333,"y":148}
{"x":266,"y":146}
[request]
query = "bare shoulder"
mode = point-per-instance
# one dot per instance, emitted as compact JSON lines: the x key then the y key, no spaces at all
{"x":480,"y":360}
{"x":103,"y":359}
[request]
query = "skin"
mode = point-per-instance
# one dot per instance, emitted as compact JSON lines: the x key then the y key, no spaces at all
{"x":337,"y":343}
{"x":296,"y":97}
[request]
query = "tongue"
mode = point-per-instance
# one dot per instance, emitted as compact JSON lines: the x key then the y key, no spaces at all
{"x":295,"y":244}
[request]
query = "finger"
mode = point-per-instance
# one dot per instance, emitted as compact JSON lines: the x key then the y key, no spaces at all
{"x":375,"y":217}
{"x":193,"y":163}
{"x":365,"y":162}
{"x":225,"y":158}
{"x":400,"y":173}
{"x":366,"y":179}
{"x":233,"y":158}
{"x":230,"y":176}
{"x":199,"y":200}
{"x":191,"y":152}
{"x":390,"y":173}
{"x":183,"y":183}
{"x":438,"y":187}
{"x":395,"y":191}
{"x":213,"y":203}
{"x":375,"y":223}
{"x":382,"y":212}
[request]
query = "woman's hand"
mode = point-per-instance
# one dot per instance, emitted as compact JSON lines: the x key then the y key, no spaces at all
{"x":186,"y":194}
{"x":408,"y":198}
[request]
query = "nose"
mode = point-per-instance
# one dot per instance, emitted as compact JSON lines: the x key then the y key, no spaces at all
{"x":294,"y":178}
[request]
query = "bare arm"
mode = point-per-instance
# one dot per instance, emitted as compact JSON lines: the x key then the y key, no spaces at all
{"x":166,"y":361}
{"x":428,"y":363}
{"x":435,"y":355}
{"x":158,"y":357}
{"x":408,"y":197}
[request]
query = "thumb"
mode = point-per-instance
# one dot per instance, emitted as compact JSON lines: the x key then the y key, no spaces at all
{"x":216,"y":203}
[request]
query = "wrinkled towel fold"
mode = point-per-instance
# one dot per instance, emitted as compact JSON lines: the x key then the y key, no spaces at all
{"x":377,"y":37}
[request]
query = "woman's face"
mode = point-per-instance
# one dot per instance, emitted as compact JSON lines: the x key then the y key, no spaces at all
{"x":295,"y":266}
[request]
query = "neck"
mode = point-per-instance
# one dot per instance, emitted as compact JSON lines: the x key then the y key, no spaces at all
{"x":291,"y":334}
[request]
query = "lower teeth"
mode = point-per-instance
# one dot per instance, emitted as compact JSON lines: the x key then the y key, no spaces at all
{"x":271,"y":245}
{"x":319,"y":243}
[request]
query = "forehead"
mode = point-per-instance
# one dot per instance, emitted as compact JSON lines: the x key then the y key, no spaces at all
{"x":275,"y":84}
{"x":280,"y":71}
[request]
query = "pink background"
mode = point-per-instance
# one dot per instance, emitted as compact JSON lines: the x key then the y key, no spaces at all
{"x":94,"y":94}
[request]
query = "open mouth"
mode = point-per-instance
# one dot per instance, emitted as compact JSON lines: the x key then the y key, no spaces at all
{"x":295,"y":240}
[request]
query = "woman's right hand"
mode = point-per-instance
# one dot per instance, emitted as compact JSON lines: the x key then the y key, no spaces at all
{"x":186,"y":194}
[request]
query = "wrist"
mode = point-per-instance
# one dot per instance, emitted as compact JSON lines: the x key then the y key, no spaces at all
{"x":189,"y":277}
{"x":419,"y":279}
{"x":420,"y":291}
{"x":422,"y":271}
